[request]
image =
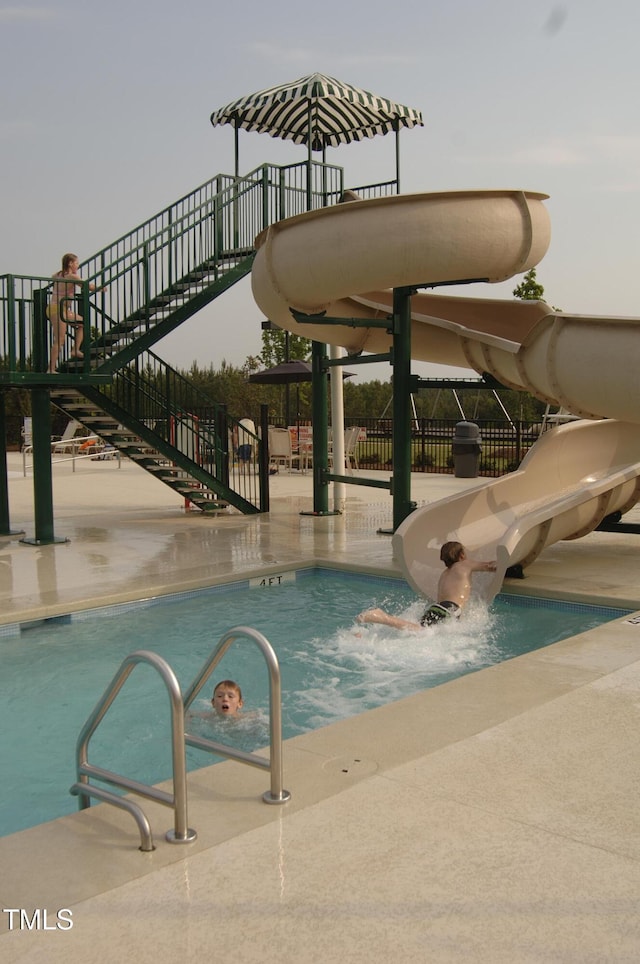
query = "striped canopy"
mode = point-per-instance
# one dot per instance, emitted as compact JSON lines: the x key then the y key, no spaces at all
{"x":317,"y":111}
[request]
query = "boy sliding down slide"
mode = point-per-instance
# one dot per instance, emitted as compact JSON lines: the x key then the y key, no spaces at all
{"x":454,"y":589}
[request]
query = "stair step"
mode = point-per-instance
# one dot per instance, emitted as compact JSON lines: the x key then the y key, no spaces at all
{"x":143,"y":314}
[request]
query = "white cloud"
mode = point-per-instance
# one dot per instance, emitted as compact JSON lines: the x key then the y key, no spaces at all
{"x":551,"y":155}
{"x":623,"y":187}
{"x":618,"y":147}
{"x":544,"y":155}
{"x":279,"y":54}
{"x":308,"y":55}
{"x":22,"y":14}
{"x":10,"y":130}
{"x":618,"y":150}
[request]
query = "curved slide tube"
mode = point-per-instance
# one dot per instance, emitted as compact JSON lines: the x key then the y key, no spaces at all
{"x":332,"y":260}
{"x":572,"y":478}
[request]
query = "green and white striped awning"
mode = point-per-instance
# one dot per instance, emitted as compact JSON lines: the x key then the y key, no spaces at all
{"x":318,"y":111}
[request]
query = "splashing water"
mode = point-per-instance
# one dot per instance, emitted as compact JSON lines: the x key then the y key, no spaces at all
{"x":371,"y":664}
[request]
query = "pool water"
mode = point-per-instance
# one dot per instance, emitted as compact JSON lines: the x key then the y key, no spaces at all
{"x":52,"y":673}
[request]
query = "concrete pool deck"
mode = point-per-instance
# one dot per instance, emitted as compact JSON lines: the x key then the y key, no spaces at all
{"x":494,"y":818}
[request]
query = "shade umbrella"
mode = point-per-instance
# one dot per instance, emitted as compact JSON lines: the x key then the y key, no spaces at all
{"x":288,"y":373}
{"x":318,"y":111}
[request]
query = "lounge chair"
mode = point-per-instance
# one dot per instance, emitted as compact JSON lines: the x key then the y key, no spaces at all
{"x":67,"y":442}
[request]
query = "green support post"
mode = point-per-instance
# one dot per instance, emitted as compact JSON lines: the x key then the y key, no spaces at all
{"x":5,"y":527}
{"x":402,"y":504}
{"x":40,"y":331}
{"x":320,"y":419}
{"x":42,"y":475}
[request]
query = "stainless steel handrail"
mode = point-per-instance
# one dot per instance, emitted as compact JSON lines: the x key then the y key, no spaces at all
{"x":140,"y":817}
{"x":181,"y":833}
{"x":276,"y":794}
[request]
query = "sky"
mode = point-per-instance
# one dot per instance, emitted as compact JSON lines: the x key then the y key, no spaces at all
{"x":105,"y":121}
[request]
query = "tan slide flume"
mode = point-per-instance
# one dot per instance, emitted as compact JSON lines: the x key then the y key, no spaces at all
{"x":338,"y":259}
{"x":572,"y":478}
{"x":334,"y":260}
{"x":314,"y":261}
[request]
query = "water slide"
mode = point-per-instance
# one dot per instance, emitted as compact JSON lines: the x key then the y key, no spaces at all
{"x":343,"y":260}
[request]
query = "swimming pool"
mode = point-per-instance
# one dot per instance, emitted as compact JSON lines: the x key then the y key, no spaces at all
{"x":53,"y":672}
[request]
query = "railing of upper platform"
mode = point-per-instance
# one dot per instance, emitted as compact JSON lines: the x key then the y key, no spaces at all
{"x":155,"y":269}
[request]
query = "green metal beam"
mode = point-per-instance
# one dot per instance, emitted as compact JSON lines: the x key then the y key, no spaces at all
{"x":401,"y":491}
{"x":57,"y":380}
{"x":322,"y":319}
{"x":486,"y":383}
{"x":320,"y":421}
{"x":353,"y":480}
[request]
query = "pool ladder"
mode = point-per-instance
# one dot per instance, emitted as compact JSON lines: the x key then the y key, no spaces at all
{"x":181,"y":832}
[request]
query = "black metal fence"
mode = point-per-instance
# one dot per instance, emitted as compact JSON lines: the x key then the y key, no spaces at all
{"x":503,"y":444}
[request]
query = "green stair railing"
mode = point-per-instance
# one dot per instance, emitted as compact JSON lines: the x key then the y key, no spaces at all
{"x":167,"y":268}
{"x":170,"y":266}
{"x":25,"y":329}
{"x":164,"y":270}
{"x":151,"y":280}
{"x":165,"y":407}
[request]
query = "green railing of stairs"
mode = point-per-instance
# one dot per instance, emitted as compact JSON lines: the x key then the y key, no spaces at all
{"x":173,"y":265}
{"x":164,"y":423}
{"x":151,"y":281}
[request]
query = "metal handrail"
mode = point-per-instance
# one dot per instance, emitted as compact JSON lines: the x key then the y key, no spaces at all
{"x":75,"y":453}
{"x":181,"y":833}
{"x":106,"y":796}
{"x":276,"y":794}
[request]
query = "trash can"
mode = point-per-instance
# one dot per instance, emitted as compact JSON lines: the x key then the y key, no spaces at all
{"x":467,"y":446}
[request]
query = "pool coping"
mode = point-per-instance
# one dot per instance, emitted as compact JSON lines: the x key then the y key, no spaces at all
{"x":35,"y":615}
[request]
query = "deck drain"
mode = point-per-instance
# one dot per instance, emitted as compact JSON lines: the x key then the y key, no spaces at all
{"x":351,"y":766}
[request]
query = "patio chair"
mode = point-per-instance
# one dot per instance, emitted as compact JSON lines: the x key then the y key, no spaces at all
{"x":351,"y":436}
{"x":59,"y":445}
{"x":280,"y":449}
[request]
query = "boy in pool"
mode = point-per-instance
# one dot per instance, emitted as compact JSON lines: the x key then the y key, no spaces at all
{"x":454,"y":589}
{"x":227,"y":698}
{"x":226,"y":702}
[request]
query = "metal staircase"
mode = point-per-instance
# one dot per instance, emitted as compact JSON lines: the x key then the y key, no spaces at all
{"x":163,"y":423}
{"x":149,"y":282}
{"x":167,"y":269}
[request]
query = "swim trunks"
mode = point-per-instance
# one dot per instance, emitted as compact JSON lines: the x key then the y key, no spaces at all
{"x":437,"y":611}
